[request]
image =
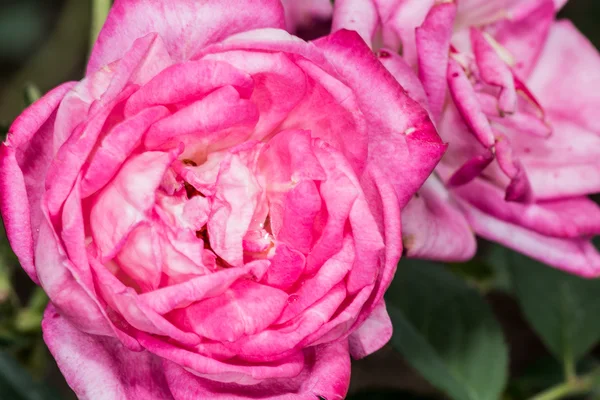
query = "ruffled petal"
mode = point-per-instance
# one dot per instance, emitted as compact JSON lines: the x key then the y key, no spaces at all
{"x":400,"y":20}
{"x":124,"y":202}
{"x":186,"y":82}
{"x":71,"y":157}
{"x":247,"y":307}
{"x":64,"y":289}
{"x":524,"y":32}
{"x":326,"y":374}
{"x":185,"y":26}
{"x":467,"y":103}
{"x":360,"y":16}
{"x":403,"y":141}
{"x":481,"y":12}
{"x":433,"y":46}
{"x":24,"y":161}
{"x":383,"y":202}
{"x":575,"y":256}
{"x":179,"y":295}
{"x":219,"y":120}
{"x":494,"y":71}
{"x":434,"y":228}
{"x":567,"y":76}
{"x":373,"y":334}
{"x":233,"y":205}
{"x":566,"y":218}
{"x":115,"y":147}
{"x":407,"y":77}
{"x":100,"y":368}
{"x":225,"y":371}
{"x":279,"y":85}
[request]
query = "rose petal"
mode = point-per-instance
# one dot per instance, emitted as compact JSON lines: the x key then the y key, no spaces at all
{"x":326,"y":374}
{"x":467,"y":103}
{"x":383,"y":201}
{"x":481,"y":12}
{"x":124,"y":202}
{"x":566,"y":218}
{"x":494,"y":71}
{"x":66,"y":293}
{"x":244,"y":309}
{"x":98,"y":367}
{"x":433,"y":226}
{"x":233,"y":206}
{"x":71,"y":157}
{"x":279,"y":85}
{"x":300,"y":208}
{"x":406,"y":77}
{"x":575,"y":256}
{"x":284,"y":340}
{"x":287,"y":265}
{"x":471,"y":169}
{"x":333,"y":271}
{"x":355,"y":15}
{"x":219,"y":120}
{"x":141,"y":257}
{"x":343,"y":126}
{"x":196,"y":289}
{"x":179,"y":25}
{"x":400,"y":20}
{"x":372,"y":335}
{"x":126,"y":303}
{"x":433,"y":46}
{"x":404,"y":144}
{"x":24,"y":160}
{"x":524,"y":32}
{"x":186,"y":82}
{"x":567,"y":89}
{"x":116,"y":146}
{"x":222,"y":371}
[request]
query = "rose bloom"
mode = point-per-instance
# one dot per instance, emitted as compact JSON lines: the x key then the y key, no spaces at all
{"x":513,"y":92}
{"x":214,"y":210}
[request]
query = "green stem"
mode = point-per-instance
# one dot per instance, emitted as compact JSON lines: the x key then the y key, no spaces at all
{"x":572,"y":387}
{"x":569,"y":369}
{"x":100,"y":10}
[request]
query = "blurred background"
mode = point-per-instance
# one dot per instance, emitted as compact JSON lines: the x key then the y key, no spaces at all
{"x":46,"y":42}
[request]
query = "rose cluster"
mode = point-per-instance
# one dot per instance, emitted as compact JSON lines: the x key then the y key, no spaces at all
{"x":218,"y":207}
{"x":214,"y":210}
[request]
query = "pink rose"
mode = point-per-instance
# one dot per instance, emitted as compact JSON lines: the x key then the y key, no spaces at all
{"x":520,"y":120}
{"x":214,"y":210}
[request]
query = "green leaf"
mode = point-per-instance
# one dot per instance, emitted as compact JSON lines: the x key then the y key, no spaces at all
{"x":17,"y":384}
{"x":563,"y":309}
{"x":29,"y":319}
{"x":100,"y":9}
{"x":496,"y":257}
{"x":31,"y":94}
{"x":544,"y":373}
{"x":447,"y":332}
